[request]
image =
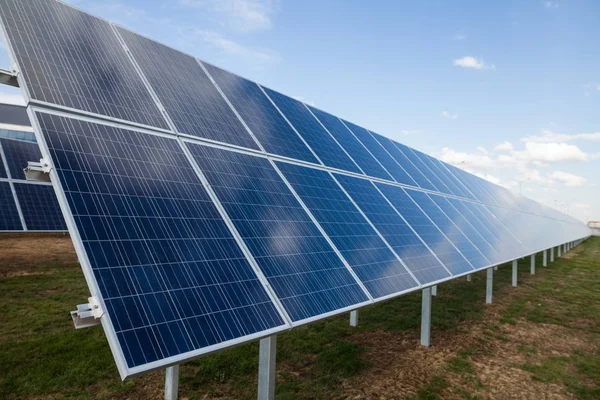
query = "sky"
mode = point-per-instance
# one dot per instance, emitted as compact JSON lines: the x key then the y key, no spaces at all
{"x":508,"y":90}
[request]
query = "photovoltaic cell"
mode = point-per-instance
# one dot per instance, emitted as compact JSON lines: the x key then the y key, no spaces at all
{"x":72,"y":59}
{"x":424,"y":169}
{"x":263,"y":119}
{"x":427,"y":230}
{"x":451,"y":180}
{"x":17,"y":154}
{"x":173,"y":279}
{"x":9,"y":216}
{"x":304,"y":271}
{"x":440,"y":174}
{"x":364,"y":250}
{"x":416,"y":256}
{"x":190,"y":98}
{"x":40,"y":207}
{"x":326,"y":148}
{"x":346,"y":139}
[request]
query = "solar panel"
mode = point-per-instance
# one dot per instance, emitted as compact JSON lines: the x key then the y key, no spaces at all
{"x":259,"y":114}
{"x":367,"y":163}
{"x":9,"y":217}
{"x":326,"y":148}
{"x":72,"y":59}
{"x":190,"y":98}
{"x":17,"y":154}
{"x":2,"y":168}
{"x":453,"y":260}
{"x":40,"y":207}
{"x":415,"y":255}
{"x":424,"y":169}
{"x":306,"y":274}
{"x":174,"y":282}
{"x":372,"y":260}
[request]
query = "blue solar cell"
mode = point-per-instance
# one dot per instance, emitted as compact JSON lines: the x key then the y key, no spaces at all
{"x":450,"y":229}
{"x":415,"y":255}
{"x":367,"y":163}
{"x":367,"y":139}
{"x":9,"y":216}
{"x":40,"y":207}
{"x":72,"y":59}
{"x":304,"y":271}
{"x":2,"y":169}
{"x":427,"y":230}
{"x":423,"y":168}
{"x":263,"y":119}
{"x":17,"y":154}
{"x":172,"y":276}
{"x":364,"y":250}
{"x":190,"y":98}
{"x":326,"y":148}
{"x":451,"y":181}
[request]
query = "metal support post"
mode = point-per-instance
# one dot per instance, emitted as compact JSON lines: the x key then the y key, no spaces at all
{"x":172,"y":382}
{"x":558,"y":251}
{"x":515,"y":271}
{"x":496,"y":268}
{"x":426,"y":318}
{"x":552,"y":254}
{"x":545,"y":259}
{"x":434,"y":290}
{"x":469,"y":278}
{"x":489,"y":285}
{"x":354,"y":318}
{"x":533,"y":264}
{"x":266,"y":368}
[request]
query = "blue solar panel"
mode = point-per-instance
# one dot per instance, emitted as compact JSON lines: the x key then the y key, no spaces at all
{"x":40,"y":207}
{"x":450,"y":229}
{"x":304,"y":271}
{"x":364,"y":250}
{"x":415,"y":255}
{"x":9,"y":216}
{"x":190,"y":98}
{"x":424,"y":169}
{"x":72,"y":59}
{"x":17,"y":154}
{"x":326,"y":148}
{"x":427,"y":230}
{"x":173,"y":278}
{"x":263,"y":119}
{"x":2,"y":169}
{"x":367,"y":163}
{"x":454,"y":182}
{"x":380,"y":154}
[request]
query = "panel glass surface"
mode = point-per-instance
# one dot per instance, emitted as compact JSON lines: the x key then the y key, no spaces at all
{"x":17,"y":155}
{"x":451,"y":181}
{"x":173,"y":278}
{"x":371,"y":259}
{"x":392,"y":167}
{"x":40,"y":207}
{"x":423,"y":168}
{"x":75,"y":60}
{"x":441,"y":174}
{"x":192,"y":101}
{"x":427,"y":230}
{"x":263,"y":119}
{"x":9,"y":216}
{"x":302,"y":268}
{"x":449,"y":229}
{"x":415,"y":255}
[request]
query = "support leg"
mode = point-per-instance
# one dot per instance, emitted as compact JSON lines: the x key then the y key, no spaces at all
{"x":489,"y":285}
{"x":545,"y":259}
{"x":426,"y":318}
{"x":496,"y":268}
{"x":266,"y":368}
{"x":434,"y":290}
{"x":558,"y":252}
{"x":469,"y":278}
{"x":552,"y":254}
{"x":532,"y":264}
{"x":354,"y":318}
{"x":515,"y":272}
{"x":172,"y":382}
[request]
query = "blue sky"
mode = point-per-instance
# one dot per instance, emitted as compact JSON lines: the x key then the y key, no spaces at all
{"x":509,"y":90}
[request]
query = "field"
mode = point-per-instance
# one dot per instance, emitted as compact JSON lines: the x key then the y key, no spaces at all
{"x":538,"y":341}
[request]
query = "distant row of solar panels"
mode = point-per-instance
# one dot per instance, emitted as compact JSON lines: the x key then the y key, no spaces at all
{"x":208,"y":210}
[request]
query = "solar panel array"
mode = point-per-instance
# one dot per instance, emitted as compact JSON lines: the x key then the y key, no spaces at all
{"x":236,"y":212}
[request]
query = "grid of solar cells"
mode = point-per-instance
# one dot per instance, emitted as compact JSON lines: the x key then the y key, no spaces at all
{"x":40,"y":207}
{"x":171,"y":274}
{"x":440,"y":174}
{"x":72,"y":59}
{"x":471,"y":231}
{"x":453,"y":182}
{"x":415,"y":255}
{"x":400,"y":158}
{"x":371,"y":259}
{"x":527,"y":227}
{"x":2,"y":169}
{"x":304,"y":271}
{"x":326,"y":148}
{"x":426,"y":229}
{"x":263,"y":119}
{"x":192,"y":101}
{"x":9,"y":216}
{"x":425,"y":170}
{"x":17,"y":154}
{"x":450,"y":230}
{"x":17,"y":135}
{"x":392,"y":167}
{"x":367,"y":163}
{"x":496,"y":226}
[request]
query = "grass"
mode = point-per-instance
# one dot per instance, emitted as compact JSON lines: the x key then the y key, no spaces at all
{"x":41,"y":355}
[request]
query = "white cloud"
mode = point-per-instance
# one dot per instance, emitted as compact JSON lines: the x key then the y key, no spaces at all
{"x":553,"y":152}
{"x":459,"y":36}
{"x":551,"y":4}
{"x":449,"y":115}
{"x":472,"y":62}
{"x":240,"y":15}
{"x":409,"y":131}
{"x":11,"y":98}
{"x":568,"y":179}
{"x":548,"y":136}
{"x":505,"y":146}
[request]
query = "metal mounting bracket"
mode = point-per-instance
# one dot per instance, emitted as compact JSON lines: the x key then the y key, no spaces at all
{"x":8,"y":77}
{"x":88,"y":314}
{"x":37,"y":171}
